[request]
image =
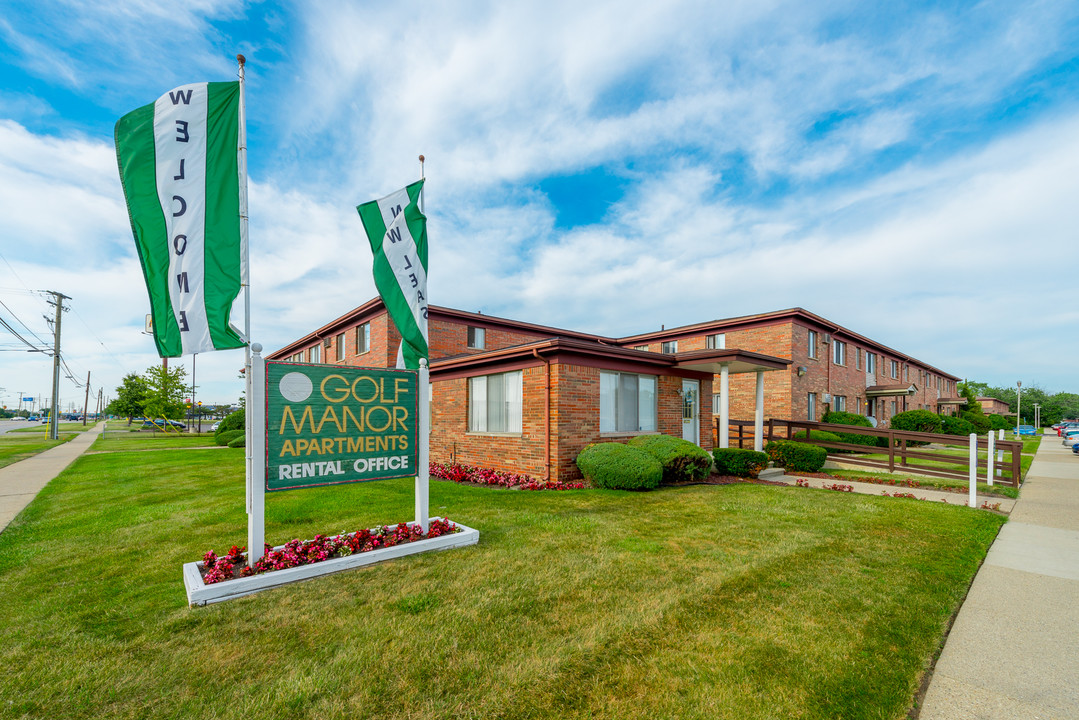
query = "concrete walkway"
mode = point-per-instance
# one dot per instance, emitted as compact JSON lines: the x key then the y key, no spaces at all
{"x":1013,"y":651}
{"x":21,"y":482}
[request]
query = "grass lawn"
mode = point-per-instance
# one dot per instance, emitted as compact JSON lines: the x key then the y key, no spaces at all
{"x":1025,"y":459}
{"x":15,"y":447}
{"x":741,"y":601}
{"x":43,"y":428}
{"x":926,"y":482}
{"x":118,"y":437}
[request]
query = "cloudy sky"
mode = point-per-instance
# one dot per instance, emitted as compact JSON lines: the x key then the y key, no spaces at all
{"x":908,"y":170}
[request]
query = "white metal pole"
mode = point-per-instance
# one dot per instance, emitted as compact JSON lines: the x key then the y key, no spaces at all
{"x":1000,"y":454}
{"x":758,"y":414}
{"x":245,"y":280}
{"x":1018,"y":407}
{"x":256,"y":412}
{"x":724,"y":406}
{"x":973,"y":502}
{"x":990,"y":465}
{"x":423,"y":451}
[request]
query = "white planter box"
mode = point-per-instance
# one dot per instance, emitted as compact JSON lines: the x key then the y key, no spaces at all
{"x":199,"y":593}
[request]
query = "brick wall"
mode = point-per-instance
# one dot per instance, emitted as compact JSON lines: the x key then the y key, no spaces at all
{"x":447,"y":338}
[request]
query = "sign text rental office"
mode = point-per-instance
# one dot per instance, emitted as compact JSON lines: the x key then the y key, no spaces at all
{"x":328,"y":424}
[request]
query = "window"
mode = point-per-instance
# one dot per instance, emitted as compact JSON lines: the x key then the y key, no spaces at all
{"x":494,"y":403}
{"x":839,"y":352}
{"x":476,"y":338}
{"x":895,"y":369}
{"x":297,"y":358}
{"x":340,"y":343}
{"x":627,"y":402}
{"x":363,"y":338}
{"x":858,"y":358}
{"x":906,"y":373}
{"x":812,"y":414}
{"x":812,"y":343}
{"x":669,"y":347}
{"x":315,"y":354}
{"x":641,"y":347}
{"x":839,"y":402}
{"x":895,"y":407}
{"x":715,"y":342}
{"x":871,"y":363}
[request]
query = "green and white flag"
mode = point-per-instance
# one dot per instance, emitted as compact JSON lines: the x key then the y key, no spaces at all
{"x":397,"y":231}
{"x":179,"y":167}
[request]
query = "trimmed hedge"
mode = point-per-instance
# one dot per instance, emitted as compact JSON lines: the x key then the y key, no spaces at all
{"x":682,"y":461}
{"x":979,"y":420}
{"x":224,"y":438}
{"x":956,"y":425}
{"x":999,"y":422}
{"x":822,"y":435}
{"x":238,"y":442}
{"x":232,"y":421}
{"x":917,"y":421}
{"x":796,"y":456}
{"x":739,"y":462}
{"x":619,"y":467}
{"x":839,"y":417}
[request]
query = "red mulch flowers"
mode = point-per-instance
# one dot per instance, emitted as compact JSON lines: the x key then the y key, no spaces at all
{"x":482,"y":476}
{"x":305,"y":552}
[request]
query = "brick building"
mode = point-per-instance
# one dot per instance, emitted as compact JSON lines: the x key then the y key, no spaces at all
{"x":993,"y":406}
{"x":526,"y":398}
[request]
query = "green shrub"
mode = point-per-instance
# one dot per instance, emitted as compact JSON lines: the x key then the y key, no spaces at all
{"x":956,"y":425}
{"x":917,"y":421}
{"x":238,"y":441}
{"x":739,"y":462}
{"x":838,"y":417}
{"x":232,"y":421}
{"x":824,"y":436}
{"x":682,"y":461}
{"x":999,"y":422}
{"x":224,"y":438}
{"x":619,"y":467}
{"x":979,"y":420}
{"x":796,"y":456}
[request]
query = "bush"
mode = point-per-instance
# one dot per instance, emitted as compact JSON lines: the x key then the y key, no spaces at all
{"x":224,"y":438}
{"x":821,"y":435}
{"x":232,"y":421}
{"x":917,"y":421}
{"x":999,"y":422}
{"x":796,"y":456}
{"x":956,"y":425}
{"x":838,"y":417}
{"x":981,"y":423}
{"x":682,"y":461}
{"x":619,"y":467}
{"x":739,"y":462}
{"x":239,"y":441}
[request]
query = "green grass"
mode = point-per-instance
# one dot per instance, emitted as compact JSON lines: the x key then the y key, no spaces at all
{"x":118,"y":437}
{"x":43,"y":428}
{"x":926,"y":482}
{"x":14,"y":448}
{"x":741,"y":601}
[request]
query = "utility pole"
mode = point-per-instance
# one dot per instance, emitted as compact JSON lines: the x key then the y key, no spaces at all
{"x":86,"y":401}
{"x":58,"y":301}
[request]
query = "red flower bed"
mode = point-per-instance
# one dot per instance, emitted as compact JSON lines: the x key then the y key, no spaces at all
{"x":482,"y":476}
{"x":305,"y":552}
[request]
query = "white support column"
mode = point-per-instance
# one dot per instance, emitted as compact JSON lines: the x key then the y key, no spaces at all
{"x":424,"y":450}
{"x":989,"y":461}
{"x":724,"y":406}
{"x":1000,"y":454}
{"x":973,"y":500}
{"x":256,"y":489}
{"x":758,"y":415}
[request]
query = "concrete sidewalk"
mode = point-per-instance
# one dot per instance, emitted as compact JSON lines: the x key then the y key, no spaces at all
{"x":21,"y":482}
{"x":1013,"y":651}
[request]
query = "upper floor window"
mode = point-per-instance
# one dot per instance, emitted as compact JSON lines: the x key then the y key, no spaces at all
{"x":812,"y":343}
{"x":669,"y":347}
{"x":811,"y":410}
{"x":839,"y":352}
{"x":315,"y":354}
{"x":895,"y":369}
{"x":871,"y":363}
{"x":627,"y":402}
{"x":858,"y":357}
{"x":716,"y":342}
{"x":641,"y":347}
{"x":340,"y":343}
{"x":363,"y":338}
{"x":477,"y":338}
{"x":495,"y":402}
{"x":906,"y":373}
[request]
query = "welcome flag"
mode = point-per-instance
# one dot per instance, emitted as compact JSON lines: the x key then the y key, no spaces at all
{"x":179,"y":167}
{"x":397,"y":231}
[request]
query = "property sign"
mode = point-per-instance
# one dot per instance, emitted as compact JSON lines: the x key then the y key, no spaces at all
{"x":330,"y":424}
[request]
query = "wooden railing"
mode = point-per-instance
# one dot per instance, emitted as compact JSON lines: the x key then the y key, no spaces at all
{"x":903,"y":449}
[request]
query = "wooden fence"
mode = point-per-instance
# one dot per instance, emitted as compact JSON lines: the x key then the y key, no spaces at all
{"x":904,"y":450}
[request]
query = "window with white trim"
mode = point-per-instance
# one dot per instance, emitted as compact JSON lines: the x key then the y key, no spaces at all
{"x":895,"y":369}
{"x":811,"y":402}
{"x":871,"y":363}
{"x":315,"y":354}
{"x":858,"y":357}
{"x":906,"y":373}
{"x":839,"y":352}
{"x":477,"y":338}
{"x":495,"y":402}
{"x":716,"y":342}
{"x":340,"y":343}
{"x":627,"y":402}
{"x":363,"y":338}
{"x":641,"y":347}
{"x":839,"y":402}
{"x":669,"y":347}
{"x":813,"y":343}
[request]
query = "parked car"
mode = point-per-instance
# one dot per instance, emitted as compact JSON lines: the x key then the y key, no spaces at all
{"x":1075,"y":448}
{"x":1062,"y":427}
{"x":1071,"y":437}
{"x":162,"y":424}
{"x":213,"y":428}
{"x":1025,"y":430}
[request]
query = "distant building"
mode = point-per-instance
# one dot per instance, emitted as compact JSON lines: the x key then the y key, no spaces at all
{"x":992,"y":406}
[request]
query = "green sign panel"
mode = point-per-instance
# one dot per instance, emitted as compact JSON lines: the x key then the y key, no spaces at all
{"x":329,"y":424}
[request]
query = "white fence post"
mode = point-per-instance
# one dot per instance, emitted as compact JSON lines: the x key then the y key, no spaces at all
{"x":1000,"y":455}
{"x":973,"y":502}
{"x":989,"y":464}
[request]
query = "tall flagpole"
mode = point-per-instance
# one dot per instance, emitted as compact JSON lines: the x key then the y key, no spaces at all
{"x":423,"y":509}
{"x":255,"y":496}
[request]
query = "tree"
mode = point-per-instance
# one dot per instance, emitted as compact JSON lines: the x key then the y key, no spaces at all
{"x":130,"y":398}
{"x":165,"y":392}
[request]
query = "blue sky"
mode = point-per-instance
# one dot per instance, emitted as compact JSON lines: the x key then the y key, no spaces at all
{"x":908,"y":170}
